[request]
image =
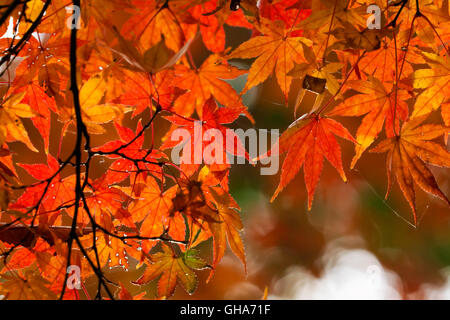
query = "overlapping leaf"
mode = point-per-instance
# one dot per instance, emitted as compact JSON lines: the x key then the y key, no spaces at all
{"x":382,"y":104}
{"x":307,"y":141}
{"x":408,"y":155}
{"x":276,"y":49}
{"x":171,"y":268}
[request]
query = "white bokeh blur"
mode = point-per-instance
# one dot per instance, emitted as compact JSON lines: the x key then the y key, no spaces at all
{"x":348,"y":273}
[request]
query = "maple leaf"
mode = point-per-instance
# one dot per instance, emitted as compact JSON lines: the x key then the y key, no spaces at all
{"x":381,"y":104}
{"x":157,"y":58}
{"x":426,"y":24}
{"x":407,"y":156}
{"x":111,"y":250}
{"x":131,"y":146}
{"x":42,"y":105}
{"x":32,"y":11}
{"x":381,"y":63}
{"x":307,"y":141}
{"x":51,"y":192}
{"x":368,"y":40}
{"x":22,"y":257}
{"x":226,"y":226}
{"x":44,"y":52}
{"x":152,"y":20}
{"x":435,"y":81}
{"x":53,"y":266}
{"x":7,"y":170}
{"x":289,"y":11}
{"x":205,"y":82}
{"x":153,"y":208}
{"x":139,"y":89}
{"x":213,"y":117}
{"x":104,"y":200}
{"x":172,"y":268}
{"x":275,"y":49}
{"x":94,"y":112}
{"x":317,"y":77}
{"x":191,"y":201}
{"x":11,"y":127}
{"x":210,"y":212}
{"x":211,"y":25}
{"x":315,"y":69}
{"x":43,"y":76}
{"x":27,"y":285}
{"x":340,"y":25}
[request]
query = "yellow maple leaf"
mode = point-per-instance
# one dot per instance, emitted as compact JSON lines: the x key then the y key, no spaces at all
{"x":275,"y":49}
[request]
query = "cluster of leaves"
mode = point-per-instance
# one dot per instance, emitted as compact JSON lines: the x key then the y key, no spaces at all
{"x":134,"y":57}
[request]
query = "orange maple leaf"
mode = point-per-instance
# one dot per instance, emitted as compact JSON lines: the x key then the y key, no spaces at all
{"x":172,"y":268}
{"x":307,"y":141}
{"x":153,"y":208}
{"x":381,"y":104}
{"x":407,"y":156}
{"x":206,"y":81}
{"x":435,"y":81}
{"x":275,"y":49}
